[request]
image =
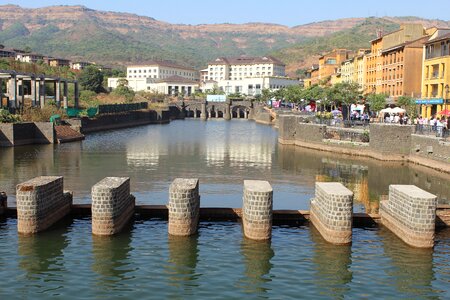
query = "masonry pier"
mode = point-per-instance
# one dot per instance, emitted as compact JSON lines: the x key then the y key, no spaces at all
{"x":184,"y":207}
{"x":257,"y":209}
{"x":112,"y":205}
{"x":40,"y":203}
{"x":410,"y":213}
{"x":332,"y":212}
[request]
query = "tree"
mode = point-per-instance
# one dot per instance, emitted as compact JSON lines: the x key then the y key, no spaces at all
{"x":376,"y":101}
{"x":91,"y":79}
{"x":408,"y":104}
{"x":345,"y":93}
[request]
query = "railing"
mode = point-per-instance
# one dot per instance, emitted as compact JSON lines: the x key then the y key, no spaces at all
{"x":432,"y":130}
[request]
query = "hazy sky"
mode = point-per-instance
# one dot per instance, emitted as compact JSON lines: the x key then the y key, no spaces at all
{"x":286,"y":12}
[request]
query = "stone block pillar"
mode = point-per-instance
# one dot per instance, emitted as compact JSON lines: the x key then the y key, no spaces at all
{"x":203,"y":115}
{"x":12,"y":91}
{"x":3,"y":203}
{"x":332,"y":212}
{"x":40,"y":203}
{"x":257,"y":209}
{"x":184,"y":207}
{"x":57,"y":86}
{"x":410,"y":213}
{"x":76,"y":94}
{"x":227,"y":112}
{"x":112,"y":205}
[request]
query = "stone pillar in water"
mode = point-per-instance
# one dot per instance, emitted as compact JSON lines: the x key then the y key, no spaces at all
{"x":257,"y":209}
{"x":227,"y":112}
{"x":332,"y":212}
{"x":40,"y":203}
{"x":184,"y":207}
{"x":3,"y":201}
{"x":112,"y":205}
{"x":203,"y":115}
{"x":410,"y":213}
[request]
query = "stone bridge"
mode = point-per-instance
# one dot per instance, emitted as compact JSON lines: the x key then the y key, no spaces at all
{"x":231,"y":109}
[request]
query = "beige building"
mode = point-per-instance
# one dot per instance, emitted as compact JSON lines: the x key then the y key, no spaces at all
{"x":80,"y":65}
{"x":238,"y":68}
{"x":144,"y":77}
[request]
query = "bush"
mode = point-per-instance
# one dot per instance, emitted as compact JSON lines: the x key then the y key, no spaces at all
{"x":35,"y":114}
{"x":124,"y":91}
{"x":6,"y":117}
{"x":88,"y":98}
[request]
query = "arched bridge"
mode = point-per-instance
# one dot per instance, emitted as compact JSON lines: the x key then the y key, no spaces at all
{"x":231,"y":109}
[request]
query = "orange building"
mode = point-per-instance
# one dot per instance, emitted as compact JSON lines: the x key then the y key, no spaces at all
{"x":312,"y":76}
{"x":398,"y":49}
{"x":330,"y":63}
{"x":373,"y":66}
{"x":402,"y":69}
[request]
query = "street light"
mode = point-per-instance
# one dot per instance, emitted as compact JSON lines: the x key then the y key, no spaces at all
{"x":447,"y":88}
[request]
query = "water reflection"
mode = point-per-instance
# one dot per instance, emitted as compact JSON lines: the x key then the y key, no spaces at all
{"x":43,"y":252}
{"x":221,"y":154}
{"x":257,"y":256}
{"x":111,"y":258}
{"x":183,"y":258}
{"x":411,"y":269}
{"x":332,"y":265}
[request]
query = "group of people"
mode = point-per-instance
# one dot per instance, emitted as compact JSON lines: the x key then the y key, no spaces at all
{"x":435,"y":124}
{"x":401,"y":119}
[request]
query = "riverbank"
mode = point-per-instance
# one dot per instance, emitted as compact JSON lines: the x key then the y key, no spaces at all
{"x":386,"y":142}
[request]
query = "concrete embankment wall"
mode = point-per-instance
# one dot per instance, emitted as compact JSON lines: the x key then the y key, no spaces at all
{"x":386,"y":142}
{"x":26,"y":134}
{"x":120,"y":120}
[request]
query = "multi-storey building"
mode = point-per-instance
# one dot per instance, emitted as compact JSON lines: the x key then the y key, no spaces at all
{"x":238,"y":68}
{"x":374,"y":63}
{"x":311,"y":76}
{"x":348,"y":70}
{"x":6,"y":53}
{"x":359,"y":76}
{"x":329,"y":63}
{"x":402,"y":69}
{"x":29,"y":57}
{"x":57,"y":62}
{"x":436,"y":73}
{"x":143,"y":77}
{"x":79,"y":65}
{"x":247,"y":75}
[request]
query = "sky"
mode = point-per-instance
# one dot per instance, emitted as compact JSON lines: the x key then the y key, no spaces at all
{"x":285,"y":12}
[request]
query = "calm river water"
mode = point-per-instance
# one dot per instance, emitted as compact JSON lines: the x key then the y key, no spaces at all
{"x":143,"y":261}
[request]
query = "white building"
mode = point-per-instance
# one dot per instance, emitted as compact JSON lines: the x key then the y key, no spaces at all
{"x":174,"y":85}
{"x":29,"y":57}
{"x":251,"y":86}
{"x":238,"y":68}
{"x":144,"y":77}
{"x":79,"y":65}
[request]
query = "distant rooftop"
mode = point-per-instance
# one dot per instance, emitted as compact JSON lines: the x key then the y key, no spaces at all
{"x":246,"y":60}
{"x":162,"y":63}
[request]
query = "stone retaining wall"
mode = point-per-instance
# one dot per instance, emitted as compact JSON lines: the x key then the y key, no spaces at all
{"x":184,"y":206}
{"x":112,"y":205}
{"x":40,"y":203}
{"x":119,"y":120}
{"x":410,"y":213}
{"x":430,"y":147}
{"x":332,"y":212}
{"x":26,"y":134}
{"x":391,"y":138}
{"x":257,"y":209}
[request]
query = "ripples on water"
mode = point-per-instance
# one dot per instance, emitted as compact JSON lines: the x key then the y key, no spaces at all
{"x":145,"y":262}
{"x":221,"y":154}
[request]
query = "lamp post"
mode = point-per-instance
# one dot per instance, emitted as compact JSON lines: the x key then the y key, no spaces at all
{"x":447,"y":88}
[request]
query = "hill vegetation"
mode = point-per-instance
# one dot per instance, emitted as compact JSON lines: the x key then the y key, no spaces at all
{"x":118,"y":39}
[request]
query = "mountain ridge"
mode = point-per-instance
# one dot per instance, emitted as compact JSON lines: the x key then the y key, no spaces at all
{"x":114,"y":38}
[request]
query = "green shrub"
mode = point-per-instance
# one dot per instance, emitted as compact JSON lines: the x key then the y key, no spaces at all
{"x":6,"y":117}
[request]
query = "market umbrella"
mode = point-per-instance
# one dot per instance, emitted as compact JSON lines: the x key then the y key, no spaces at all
{"x":444,"y":112}
{"x":398,"y":110}
{"x":387,"y":110}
